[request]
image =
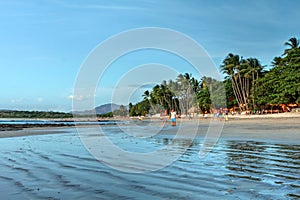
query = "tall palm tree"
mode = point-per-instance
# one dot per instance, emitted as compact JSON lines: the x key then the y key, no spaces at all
{"x":174,"y":88}
{"x":185,"y":93}
{"x":166,"y":93}
{"x":242,"y":73}
{"x":232,"y":66}
{"x":245,"y":72}
{"x":254,"y":68}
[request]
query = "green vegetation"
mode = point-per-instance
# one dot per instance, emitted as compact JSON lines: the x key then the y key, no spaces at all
{"x":247,"y":86}
{"x":243,"y":75}
{"x":34,"y":114}
{"x":166,"y":96}
{"x":281,"y":84}
{"x":122,"y":111}
{"x":106,"y":115}
{"x":183,"y":94}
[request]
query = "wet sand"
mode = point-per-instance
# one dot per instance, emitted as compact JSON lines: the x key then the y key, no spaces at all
{"x":32,"y":132}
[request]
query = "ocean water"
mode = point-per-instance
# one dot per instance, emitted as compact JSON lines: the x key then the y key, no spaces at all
{"x":57,"y":166}
{"x":56,"y":122}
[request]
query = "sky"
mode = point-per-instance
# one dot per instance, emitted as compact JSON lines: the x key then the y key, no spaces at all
{"x":45,"y":43}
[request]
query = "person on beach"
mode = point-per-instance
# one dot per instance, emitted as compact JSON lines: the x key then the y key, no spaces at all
{"x":173,"y":117}
{"x":226,"y":114}
{"x":205,"y":114}
{"x":220,"y":114}
{"x":216,"y":115}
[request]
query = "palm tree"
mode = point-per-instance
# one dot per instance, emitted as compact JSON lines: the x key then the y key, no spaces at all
{"x":231,"y":66}
{"x":254,"y":68}
{"x":292,"y":55}
{"x":195,"y":85}
{"x":242,"y":74}
{"x":174,"y":88}
{"x":276,"y":61}
{"x":185,"y":92}
{"x":156,"y":95}
{"x":181,"y":91}
{"x":293,"y":43}
{"x":245,"y":72}
{"x":146,"y":95}
{"x":166,"y":93}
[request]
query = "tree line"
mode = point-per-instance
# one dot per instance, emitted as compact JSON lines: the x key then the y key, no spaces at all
{"x":33,"y":114}
{"x":247,"y":86}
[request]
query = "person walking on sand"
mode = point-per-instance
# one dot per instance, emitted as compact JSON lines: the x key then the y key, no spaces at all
{"x":226,"y":114}
{"x":220,"y":114}
{"x":173,"y":117}
{"x":216,"y":114}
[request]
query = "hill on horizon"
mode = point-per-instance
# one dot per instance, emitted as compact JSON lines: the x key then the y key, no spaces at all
{"x":106,"y":108}
{"x":100,"y":110}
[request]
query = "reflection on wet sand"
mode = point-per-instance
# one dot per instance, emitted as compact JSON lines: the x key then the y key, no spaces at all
{"x":57,"y":166}
{"x":274,"y":164}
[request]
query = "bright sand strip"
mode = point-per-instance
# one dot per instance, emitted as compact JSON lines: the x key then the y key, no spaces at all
{"x":283,"y":127}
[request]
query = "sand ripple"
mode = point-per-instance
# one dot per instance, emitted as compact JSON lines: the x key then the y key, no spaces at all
{"x":58,"y":167}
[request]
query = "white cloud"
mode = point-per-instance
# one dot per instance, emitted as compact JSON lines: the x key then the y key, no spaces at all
{"x":70,"y":97}
{"x":40,"y":99}
{"x":80,"y":97}
{"x":18,"y":100}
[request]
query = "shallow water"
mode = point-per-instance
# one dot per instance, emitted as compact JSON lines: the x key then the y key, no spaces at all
{"x":56,"y":122}
{"x":59,"y":167}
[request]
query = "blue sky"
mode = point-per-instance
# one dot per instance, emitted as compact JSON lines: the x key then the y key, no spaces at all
{"x":44,"y":42}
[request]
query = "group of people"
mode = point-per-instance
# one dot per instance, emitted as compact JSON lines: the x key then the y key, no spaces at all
{"x":221,"y":113}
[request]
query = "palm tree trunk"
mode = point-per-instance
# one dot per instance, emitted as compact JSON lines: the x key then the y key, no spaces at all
{"x":242,"y":89}
{"x":236,"y":92}
{"x":239,"y":94}
{"x":166,"y":100}
{"x":248,"y":92}
{"x":253,"y":89}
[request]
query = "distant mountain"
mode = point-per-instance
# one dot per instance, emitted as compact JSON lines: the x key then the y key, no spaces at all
{"x":6,"y":110}
{"x":106,"y":108}
{"x":100,"y":110}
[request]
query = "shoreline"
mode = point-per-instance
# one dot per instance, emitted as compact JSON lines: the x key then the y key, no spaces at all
{"x":242,"y":127}
{"x":6,"y":124}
